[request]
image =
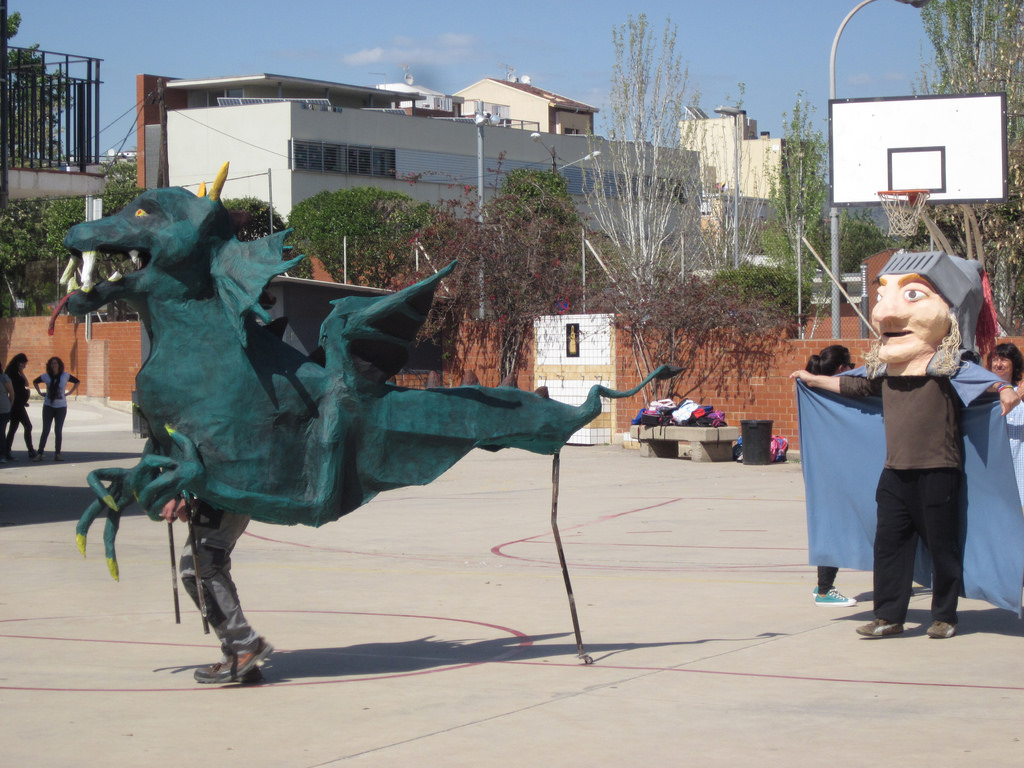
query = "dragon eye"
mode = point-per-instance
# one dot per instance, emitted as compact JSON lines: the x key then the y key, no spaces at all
{"x":141,"y":212}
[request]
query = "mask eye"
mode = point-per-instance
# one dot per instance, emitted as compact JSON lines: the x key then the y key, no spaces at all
{"x":141,"y":212}
{"x":913,"y":294}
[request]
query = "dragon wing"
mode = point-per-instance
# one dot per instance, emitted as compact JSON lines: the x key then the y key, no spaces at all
{"x":375,"y":333}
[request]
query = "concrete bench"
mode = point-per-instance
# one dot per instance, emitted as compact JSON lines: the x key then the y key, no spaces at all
{"x":695,"y":443}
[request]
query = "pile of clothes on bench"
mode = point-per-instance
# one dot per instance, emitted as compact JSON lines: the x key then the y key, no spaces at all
{"x":669,"y":413}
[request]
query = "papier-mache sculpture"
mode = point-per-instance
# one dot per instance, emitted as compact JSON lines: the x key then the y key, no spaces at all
{"x":249,"y":424}
{"x":940,"y":455}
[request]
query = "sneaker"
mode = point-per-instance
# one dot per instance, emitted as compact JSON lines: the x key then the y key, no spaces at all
{"x":9,"y":457}
{"x":880,"y":628}
{"x":238,"y":669}
{"x":834,"y":598}
{"x":38,"y":456}
{"x":940,"y":630}
{"x":31,"y":454}
{"x":58,"y":457}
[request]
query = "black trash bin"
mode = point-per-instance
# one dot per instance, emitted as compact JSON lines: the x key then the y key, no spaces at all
{"x":757,"y":441}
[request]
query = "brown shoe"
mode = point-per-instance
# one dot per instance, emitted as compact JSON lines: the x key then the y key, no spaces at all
{"x":940,"y":630}
{"x":880,"y":628}
{"x":239,"y":669}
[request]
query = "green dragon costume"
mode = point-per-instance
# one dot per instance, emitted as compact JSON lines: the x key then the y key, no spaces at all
{"x":250,"y":424}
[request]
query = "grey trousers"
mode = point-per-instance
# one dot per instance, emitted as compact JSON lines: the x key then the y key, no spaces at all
{"x":216,"y":532}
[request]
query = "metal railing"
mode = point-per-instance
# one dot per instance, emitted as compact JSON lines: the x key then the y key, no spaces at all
{"x":51,"y":109}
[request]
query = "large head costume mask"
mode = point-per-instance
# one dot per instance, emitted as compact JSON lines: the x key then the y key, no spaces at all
{"x":927,"y":310}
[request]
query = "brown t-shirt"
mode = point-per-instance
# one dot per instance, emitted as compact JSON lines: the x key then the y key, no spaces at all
{"x":922,"y":419}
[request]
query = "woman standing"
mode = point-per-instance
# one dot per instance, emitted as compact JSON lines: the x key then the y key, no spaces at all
{"x":19,"y":407}
{"x":55,"y":404}
{"x":830,"y":361}
{"x":1007,"y":362}
{"x":6,"y":401}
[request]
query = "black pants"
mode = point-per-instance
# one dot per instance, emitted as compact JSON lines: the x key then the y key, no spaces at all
{"x":19,"y":418}
{"x":54,"y":416}
{"x":913,"y":504}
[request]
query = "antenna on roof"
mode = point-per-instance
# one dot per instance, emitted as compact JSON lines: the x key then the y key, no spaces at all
{"x":408,"y":75}
{"x":525,"y":79}
{"x":510,"y":73}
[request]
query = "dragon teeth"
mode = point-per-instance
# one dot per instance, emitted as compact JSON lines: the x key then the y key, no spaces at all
{"x":114,"y":277}
{"x":69,"y":272}
{"x":88,"y":270}
{"x":134,"y":254}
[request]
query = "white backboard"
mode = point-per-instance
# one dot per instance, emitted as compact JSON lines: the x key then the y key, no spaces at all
{"x":953,"y":146}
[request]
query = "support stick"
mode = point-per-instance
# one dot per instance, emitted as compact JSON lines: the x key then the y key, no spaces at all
{"x":195,"y":563}
{"x":561,"y":559}
{"x":174,"y":572}
{"x":839,"y":285}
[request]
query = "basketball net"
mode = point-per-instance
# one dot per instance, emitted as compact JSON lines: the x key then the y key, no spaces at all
{"x":903,"y":208}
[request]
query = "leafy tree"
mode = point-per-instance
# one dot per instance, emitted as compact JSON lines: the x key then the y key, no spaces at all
{"x":517,"y":264}
{"x":22,"y":239}
{"x":379,"y":226}
{"x":253,"y":218}
{"x":860,"y":237}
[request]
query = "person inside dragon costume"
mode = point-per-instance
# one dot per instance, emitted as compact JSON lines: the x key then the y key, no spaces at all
{"x":926,"y":315}
{"x":269,"y":433}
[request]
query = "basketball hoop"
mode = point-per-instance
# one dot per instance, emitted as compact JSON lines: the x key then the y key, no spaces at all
{"x":903,"y":207}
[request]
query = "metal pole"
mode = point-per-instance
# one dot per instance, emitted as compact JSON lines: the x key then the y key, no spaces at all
{"x":174,"y":572}
{"x":270,"y":203}
{"x":583,"y":264}
{"x":561,"y":559}
{"x":4,"y":108}
{"x":480,"y":200}
{"x":736,"y":195}
{"x":833,"y":211}
{"x":200,"y":597}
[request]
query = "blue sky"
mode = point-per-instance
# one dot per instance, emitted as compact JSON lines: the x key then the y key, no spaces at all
{"x":776,"y":48}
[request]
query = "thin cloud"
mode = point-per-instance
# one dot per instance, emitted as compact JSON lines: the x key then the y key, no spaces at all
{"x":444,"y":49}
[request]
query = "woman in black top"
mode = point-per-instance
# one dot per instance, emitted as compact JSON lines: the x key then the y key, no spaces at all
{"x":19,"y":408}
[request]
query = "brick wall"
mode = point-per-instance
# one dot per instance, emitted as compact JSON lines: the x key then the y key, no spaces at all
{"x":749,"y":384}
{"x":106,"y":365}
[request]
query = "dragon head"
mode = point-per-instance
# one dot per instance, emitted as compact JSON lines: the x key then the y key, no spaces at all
{"x":171,"y":245}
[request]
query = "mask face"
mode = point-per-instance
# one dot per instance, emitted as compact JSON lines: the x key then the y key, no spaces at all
{"x":913,"y":319}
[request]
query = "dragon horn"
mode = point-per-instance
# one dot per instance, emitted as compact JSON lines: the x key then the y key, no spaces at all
{"x":202,"y":189}
{"x":218,"y":183}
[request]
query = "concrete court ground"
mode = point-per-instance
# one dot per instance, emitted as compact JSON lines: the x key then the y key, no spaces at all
{"x":431,"y":628}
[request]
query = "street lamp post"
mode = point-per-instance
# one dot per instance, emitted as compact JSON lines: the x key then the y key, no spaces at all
{"x":481,"y":119}
{"x":736,"y":114}
{"x":833,"y":211}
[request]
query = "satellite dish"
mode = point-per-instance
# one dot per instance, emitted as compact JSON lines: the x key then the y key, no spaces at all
{"x":408,"y":78}
{"x":525,"y":79}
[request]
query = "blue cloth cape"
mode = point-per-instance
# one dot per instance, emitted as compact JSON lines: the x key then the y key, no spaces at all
{"x":842,"y":452}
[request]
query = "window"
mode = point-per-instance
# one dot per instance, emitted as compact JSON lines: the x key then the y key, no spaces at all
{"x":342,"y":158}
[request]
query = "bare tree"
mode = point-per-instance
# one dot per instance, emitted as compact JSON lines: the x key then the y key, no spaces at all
{"x":979,"y":47}
{"x":644,"y":194}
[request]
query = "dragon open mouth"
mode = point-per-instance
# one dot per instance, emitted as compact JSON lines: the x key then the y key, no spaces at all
{"x":87,"y":268}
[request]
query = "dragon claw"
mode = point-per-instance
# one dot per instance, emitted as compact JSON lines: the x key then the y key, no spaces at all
{"x":80,"y":542}
{"x":112,"y":567}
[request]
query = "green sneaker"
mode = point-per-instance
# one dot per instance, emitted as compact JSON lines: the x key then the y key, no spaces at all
{"x":834,"y":599}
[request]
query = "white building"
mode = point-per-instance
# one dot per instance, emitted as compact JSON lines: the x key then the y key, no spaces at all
{"x":290,"y":138}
